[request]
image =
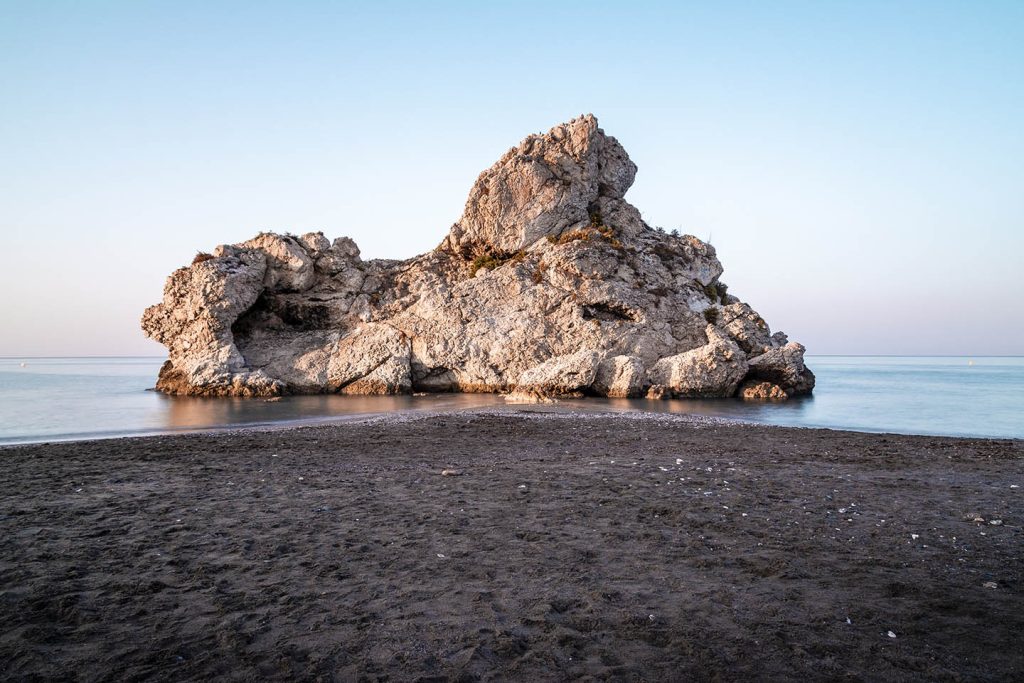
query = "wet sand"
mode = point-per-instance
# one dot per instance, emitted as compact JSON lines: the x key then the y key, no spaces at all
{"x":558,"y":546}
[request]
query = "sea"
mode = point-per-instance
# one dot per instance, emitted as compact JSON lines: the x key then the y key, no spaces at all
{"x":59,"y":399}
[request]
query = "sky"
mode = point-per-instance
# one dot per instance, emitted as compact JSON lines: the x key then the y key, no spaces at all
{"x":859,"y":166}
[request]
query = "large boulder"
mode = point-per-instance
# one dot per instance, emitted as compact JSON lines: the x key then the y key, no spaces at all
{"x":753,"y":390}
{"x":746,"y":328}
{"x":783,"y":367}
{"x":710,"y":371}
{"x":289,"y":265}
{"x":342,"y":256}
{"x":201,"y":302}
{"x":561,"y":376}
{"x":374,"y":359}
{"x":619,"y":377}
{"x":543,"y":187}
{"x":550,"y":283}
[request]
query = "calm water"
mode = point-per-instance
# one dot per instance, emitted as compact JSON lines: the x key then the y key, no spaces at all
{"x":71,"y":398}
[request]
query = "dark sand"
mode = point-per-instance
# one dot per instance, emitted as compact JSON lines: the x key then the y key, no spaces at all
{"x":569,"y":547}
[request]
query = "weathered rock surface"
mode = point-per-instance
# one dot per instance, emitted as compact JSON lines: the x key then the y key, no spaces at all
{"x":546,"y":185}
{"x":710,"y":371}
{"x":784,"y":367}
{"x":752,"y":390}
{"x":550,"y":284}
{"x":619,"y":377}
{"x":561,"y":376}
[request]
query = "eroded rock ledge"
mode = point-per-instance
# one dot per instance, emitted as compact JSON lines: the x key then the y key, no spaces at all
{"x":550,"y":284}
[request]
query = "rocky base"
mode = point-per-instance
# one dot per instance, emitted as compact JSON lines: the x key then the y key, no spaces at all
{"x":762,"y":391}
{"x":245,"y":384}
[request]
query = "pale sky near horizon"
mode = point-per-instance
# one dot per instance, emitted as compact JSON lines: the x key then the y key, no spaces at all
{"x":859,"y":166}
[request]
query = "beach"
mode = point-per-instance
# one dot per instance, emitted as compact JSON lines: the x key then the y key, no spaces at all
{"x":513,"y":543}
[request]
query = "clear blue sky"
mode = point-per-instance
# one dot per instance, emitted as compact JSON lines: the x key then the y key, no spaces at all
{"x":859,"y":166}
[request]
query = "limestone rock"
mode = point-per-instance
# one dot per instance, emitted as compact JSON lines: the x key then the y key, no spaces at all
{"x":752,"y":390}
{"x":315,"y":243}
{"x":619,"y":377}
{"x":201,"y":302}
{"x":374,"y":359}
{"x":390,"y":377}
{"x":747,"y":328}
{"x":543,"y":187}
{"x":783,"y":366}
{"x":550,"y":283}
{"x":341,"y":256}
{"x":289,"y":265}
{"x":710,"y":371}
{"x":658,"y":392}
{"x":561,"y":375}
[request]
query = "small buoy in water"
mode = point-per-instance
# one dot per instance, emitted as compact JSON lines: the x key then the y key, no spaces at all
{"x":970,"y":362}
{"x":23,"y":364}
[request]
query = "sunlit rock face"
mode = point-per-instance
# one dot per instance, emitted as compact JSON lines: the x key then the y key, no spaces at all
{"x":550,"y":284}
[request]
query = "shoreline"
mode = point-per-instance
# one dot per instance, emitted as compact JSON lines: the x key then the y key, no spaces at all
{"x":388,"y":417}
{"x":558,"y":544}
{"x":566,"y":407}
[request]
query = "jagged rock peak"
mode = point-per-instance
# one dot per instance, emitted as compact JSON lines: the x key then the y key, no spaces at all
{"x":550,"y":284}
{"x":548,"y":185}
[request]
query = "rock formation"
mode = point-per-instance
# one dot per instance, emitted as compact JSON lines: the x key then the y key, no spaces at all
{"x":550,"y":284}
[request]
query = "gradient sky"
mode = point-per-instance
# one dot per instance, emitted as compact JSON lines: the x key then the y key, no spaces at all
{"x":859,"y":166}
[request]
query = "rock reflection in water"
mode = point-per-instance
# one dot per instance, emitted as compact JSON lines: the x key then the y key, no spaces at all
{"x":77,"y":398}
{"x":185,"y":413}
{"x":735,"y":409}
